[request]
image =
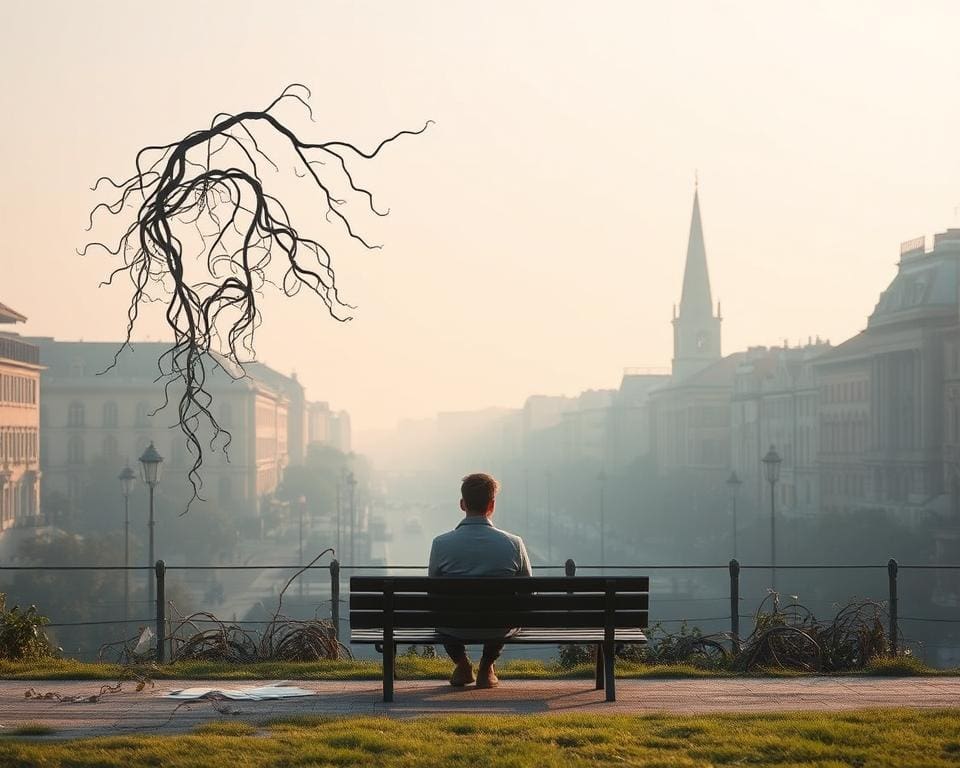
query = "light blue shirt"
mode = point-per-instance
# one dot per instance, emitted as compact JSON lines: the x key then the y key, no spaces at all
{"x":477,"y":548}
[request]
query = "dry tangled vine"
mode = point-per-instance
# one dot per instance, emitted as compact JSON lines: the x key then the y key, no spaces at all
{"x":792,"y":638}
{"x":204,"y":234}
{"x":783,"y":637}
{"x":788,"y":637}
{"x":201,"y":636}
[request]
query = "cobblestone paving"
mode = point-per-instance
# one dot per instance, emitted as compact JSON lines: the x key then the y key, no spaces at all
{"x":149,"y":712}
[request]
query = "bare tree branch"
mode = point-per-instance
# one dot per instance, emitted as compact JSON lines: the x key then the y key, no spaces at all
{"x":208,"y":187}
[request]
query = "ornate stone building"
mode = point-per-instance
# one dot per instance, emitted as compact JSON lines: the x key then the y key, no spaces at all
{"x":884,"y":441}
{"x":19,"y":427}
{"x":775,"y":402}
{"x":93,"y":419}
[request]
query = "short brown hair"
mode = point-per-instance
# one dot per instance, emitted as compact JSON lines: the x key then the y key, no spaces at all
{"x":477,"y":491}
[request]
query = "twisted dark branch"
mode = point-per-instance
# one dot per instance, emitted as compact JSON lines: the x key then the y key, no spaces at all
{"x":209,"y":186}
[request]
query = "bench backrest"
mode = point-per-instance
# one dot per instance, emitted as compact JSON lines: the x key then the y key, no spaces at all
{"x":415,"y":602}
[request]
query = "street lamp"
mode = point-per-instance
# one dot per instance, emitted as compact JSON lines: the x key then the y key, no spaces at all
{"x":340,"y":478}
{"x":733,"y":486}
{"x":352,"y":485}
{"x":549,"y":521}
{"x":526,"y":501}
{"x":602,"y":478}
{"x":127,"y":478}
{"x":301,"y":503}
{"x":150,"y":463}
{"x":771,"y":468}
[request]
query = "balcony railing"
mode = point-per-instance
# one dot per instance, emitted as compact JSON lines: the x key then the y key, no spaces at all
{"x":13,"y":349}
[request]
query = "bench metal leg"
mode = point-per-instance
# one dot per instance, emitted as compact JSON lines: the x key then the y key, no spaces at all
{"x":608,"y":660}
{"x":389,"y":670}
{"x":599,"y":666}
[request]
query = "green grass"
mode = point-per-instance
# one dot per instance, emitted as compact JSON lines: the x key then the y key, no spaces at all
{"x":408,"y":668}
{"x":881,"y":738}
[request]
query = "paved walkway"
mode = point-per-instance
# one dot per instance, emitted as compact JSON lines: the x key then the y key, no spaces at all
{"x":150,"y":712}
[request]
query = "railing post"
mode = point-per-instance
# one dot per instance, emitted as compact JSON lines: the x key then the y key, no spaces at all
{"x":160,"y":570}
{"x":335,"y":598}
{"x":892,"y":581}
{"x":570,"y":568}
{"x":735,"y":604}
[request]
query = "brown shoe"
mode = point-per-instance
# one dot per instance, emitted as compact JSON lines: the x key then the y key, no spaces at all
{"x":462,"y":674}
{"x":487,"y":677}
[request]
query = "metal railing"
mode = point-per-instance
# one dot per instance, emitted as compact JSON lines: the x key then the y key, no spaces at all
{"x":13,"y":349}
{"x":570,"y":568}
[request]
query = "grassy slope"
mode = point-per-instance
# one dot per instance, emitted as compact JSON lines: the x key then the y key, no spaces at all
{"x":408,"y":668}
{"x":901,"y":738}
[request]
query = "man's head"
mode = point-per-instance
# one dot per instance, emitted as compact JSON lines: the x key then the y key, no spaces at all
{"x":478,"y":494}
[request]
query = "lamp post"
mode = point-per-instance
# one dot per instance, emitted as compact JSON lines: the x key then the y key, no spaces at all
{"x":126,"y":478}
{"x":771,"y":468}
{"x":733,"y":486}
{"x":602,"y":478}
{"x":340,"y":512}
{"x":302,"y":503}
{"x":526,"y":501}
{"x":549,"y":520}
{"x":352,"y":485}
{"x":150,"y":463}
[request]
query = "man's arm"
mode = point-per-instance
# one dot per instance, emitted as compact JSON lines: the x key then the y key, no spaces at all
{"x":525,"y":569}
{"x":433,"y":569}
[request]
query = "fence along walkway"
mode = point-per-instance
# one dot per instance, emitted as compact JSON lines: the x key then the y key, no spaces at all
{"x":334,"y":568}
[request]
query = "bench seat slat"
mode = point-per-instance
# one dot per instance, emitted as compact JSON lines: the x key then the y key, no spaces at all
{"x":523,"y":602}
{"x":498,"y":585}
{"x":431,"y":619}
{"x":527,"y":636}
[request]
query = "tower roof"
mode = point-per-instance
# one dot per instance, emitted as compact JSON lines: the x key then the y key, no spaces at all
{"x":696,"y":299}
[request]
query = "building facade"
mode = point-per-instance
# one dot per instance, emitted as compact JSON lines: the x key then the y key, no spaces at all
{"x":92,"y":417}
{"x":884,"y":441}
{"x":775,"y":403}
{"x":19,"y":427}
{"x":328,"y":427}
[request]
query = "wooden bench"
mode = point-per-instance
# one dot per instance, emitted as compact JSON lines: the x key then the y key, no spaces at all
{"x":604,"y":611}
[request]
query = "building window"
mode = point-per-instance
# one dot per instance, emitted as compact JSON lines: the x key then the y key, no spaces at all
{"x":110,"y":416}
{"x":143,"y":415}
{"x":110,"y":448}
{"x":75,"y":414}
{"x":75,"y":450}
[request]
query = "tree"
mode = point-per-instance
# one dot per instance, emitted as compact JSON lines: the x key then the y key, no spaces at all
{"x":204,"y":200}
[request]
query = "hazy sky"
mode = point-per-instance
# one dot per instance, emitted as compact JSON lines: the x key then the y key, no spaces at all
{"x":538,"y":230}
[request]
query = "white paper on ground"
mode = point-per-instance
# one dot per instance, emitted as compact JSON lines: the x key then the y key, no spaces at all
{"x":272,"y":691}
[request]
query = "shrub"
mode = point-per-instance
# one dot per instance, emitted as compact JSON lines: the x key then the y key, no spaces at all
{"x":570,"y":656}
{"x":21,"y":634}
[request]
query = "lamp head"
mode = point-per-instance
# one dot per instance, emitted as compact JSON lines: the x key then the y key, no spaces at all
{"x":771,"y":465}
{"x":150,"y":463}
{"x":127,"y":477}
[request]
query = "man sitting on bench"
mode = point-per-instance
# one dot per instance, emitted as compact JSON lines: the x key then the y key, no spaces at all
{"x":476,"y":548}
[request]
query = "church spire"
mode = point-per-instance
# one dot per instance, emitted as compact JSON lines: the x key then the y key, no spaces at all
{"x":696,"y":300}
{"x":696,"y":330}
